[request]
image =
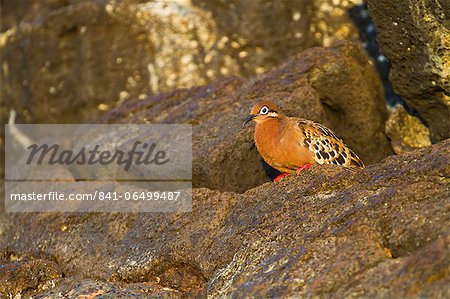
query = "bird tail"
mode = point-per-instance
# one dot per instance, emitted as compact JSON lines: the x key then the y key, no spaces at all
{"x":355,"y":160}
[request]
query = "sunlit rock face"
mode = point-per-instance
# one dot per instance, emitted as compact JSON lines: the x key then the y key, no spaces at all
{"x":415,"y":36}
{"x":181,"y":40}
{"x":406,"y":132}
{"x":63,"y":56}
{"x":260,"y":34}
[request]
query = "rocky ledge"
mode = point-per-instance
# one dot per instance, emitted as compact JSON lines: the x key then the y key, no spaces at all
{"x":378,"y":232}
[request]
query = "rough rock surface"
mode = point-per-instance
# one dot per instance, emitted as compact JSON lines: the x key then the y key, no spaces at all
{"x":90,"y":288}
{"x":335,"y":86}
{"x":98,"y":53}
{"x":406,"y":132}
{"x":415,"y":36}
{"x":378,"y":232}
{"x":31,"y":271}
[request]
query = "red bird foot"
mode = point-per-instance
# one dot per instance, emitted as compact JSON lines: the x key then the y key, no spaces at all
{"x":279,"y":177}
{"x":306,"y":166}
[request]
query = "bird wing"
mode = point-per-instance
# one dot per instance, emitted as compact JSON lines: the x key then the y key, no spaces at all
{"x":326,"y":146}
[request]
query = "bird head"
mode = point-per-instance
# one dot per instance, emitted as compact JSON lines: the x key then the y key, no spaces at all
{"x":263,"y":111}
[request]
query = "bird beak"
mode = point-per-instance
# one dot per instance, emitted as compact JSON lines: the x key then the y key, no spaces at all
{"x":249,"y":119}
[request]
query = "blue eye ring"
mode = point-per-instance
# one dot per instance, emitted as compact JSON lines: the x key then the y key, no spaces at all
{"x":264,"y":110}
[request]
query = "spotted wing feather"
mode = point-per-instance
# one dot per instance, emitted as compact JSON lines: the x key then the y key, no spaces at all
{"x":326,"y":146}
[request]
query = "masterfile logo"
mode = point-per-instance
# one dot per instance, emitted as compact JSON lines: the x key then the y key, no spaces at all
{"x":85,"y":168}
{"x":94,"y":156}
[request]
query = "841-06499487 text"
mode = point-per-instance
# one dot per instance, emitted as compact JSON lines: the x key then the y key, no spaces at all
{"x":96,"y":195}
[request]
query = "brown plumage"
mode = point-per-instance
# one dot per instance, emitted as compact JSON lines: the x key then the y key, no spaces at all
{"x":290,"y":144}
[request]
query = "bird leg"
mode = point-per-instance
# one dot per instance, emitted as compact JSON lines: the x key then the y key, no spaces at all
{"x":305,"y":166}
{"x":279,"y":177}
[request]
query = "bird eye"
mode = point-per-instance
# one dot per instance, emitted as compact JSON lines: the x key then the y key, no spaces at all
{"x":264,"y":110}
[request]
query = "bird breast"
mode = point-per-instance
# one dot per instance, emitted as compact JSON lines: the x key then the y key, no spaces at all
{"x":279,"y":146}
